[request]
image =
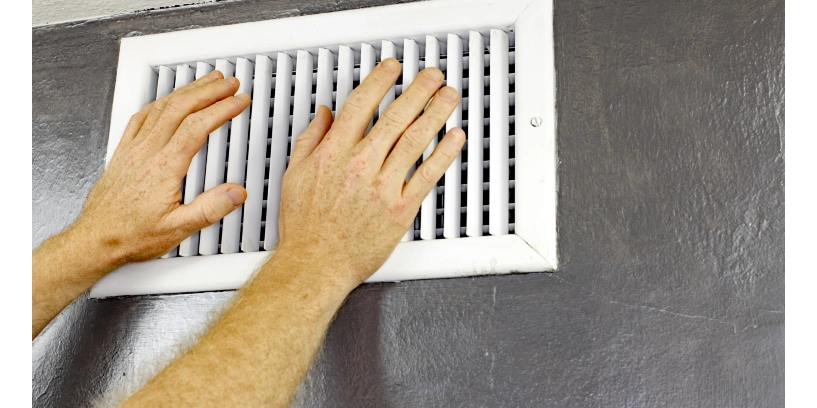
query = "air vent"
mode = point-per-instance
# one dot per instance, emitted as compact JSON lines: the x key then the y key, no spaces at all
{"x":493,"y":211}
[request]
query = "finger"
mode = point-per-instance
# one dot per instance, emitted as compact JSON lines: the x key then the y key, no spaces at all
{"x":179,"y":106}
{"x":212,"y":76}
{"x":402,"y":112}
{"x":159,"y":104}
{"x":427,"y":175}
{"x":195,"y":128}
{"x":356,"y":113}
{"x":209,"y":207}
{"x":312,"y":136}
{"x":413,"y":142}
{"x":135,"y":124}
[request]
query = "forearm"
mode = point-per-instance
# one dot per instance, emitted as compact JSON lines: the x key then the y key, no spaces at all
{"x":261,"y":348}
{"x":64,"y":267}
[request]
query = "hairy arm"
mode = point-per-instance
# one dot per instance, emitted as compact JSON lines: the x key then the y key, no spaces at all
{"x":345,"y":205}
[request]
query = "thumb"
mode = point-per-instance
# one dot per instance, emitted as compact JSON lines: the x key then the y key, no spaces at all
{"x":210,"y":206}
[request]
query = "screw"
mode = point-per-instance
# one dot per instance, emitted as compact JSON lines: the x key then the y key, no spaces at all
{"x":536,"y":121}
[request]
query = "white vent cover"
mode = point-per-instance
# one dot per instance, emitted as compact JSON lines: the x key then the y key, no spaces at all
{"x":499,"y":55}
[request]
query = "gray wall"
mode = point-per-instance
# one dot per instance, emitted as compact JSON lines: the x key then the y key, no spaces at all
{"x":670,"y":291}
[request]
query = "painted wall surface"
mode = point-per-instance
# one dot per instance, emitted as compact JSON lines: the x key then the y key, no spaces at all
{"x":671,"y":221}
{"x":59,"y":11}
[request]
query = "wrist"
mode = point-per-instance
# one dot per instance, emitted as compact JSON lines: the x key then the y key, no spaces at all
{"x":97,"y":254}
{"x":304,"y":272}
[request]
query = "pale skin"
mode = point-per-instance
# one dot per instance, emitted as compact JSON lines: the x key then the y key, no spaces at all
{"x":345,"y":205}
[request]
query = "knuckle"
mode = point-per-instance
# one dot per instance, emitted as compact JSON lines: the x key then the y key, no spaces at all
{"x":425,"y":85}
{"x":439,"y":111}
{"x":413,"y":139}
{"x":305,"y":137}
{"x":356,"y":165}
{"x":158,"y":107}
{"x":160,"y":103}
{"x":382,"y":188}
{"x":394,"y":117}
{"x":175,"y":105}
{"x":136,"y":119}
{"x":209,"y":214}
{"x":397,"y":207}
{"x":193,"y":122}
{"x":426,"y":174}
{"x":355,"y":102}
{"x":353,"y":108}
{"x":324,"y":155}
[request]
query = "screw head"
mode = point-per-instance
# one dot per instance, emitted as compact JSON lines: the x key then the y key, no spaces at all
{"x":536,"y":121}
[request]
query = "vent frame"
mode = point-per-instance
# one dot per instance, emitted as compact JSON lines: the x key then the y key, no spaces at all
{"x":532,"y":246}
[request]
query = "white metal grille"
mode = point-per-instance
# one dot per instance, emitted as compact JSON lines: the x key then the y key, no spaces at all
{"x":493,"y":212}
{"x":286,"y":87}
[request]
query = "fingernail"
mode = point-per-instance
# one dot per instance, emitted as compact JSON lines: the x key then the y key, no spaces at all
{"x":232,"y":80}
{"x":448,"y":93}
{"x":213,"y":74}
{"x":236,"y":196}
{"x":433,"y":73}
{"x":391,"y":65}
{"x":243,"y":96}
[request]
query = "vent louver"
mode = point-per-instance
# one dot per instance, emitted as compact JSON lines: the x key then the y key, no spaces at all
{"x":253,"y":148}
{"x":468,"y":225}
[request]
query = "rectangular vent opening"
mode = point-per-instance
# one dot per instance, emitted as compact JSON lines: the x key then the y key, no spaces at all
{"x":492,"y":212}
{"x":250,"y":149}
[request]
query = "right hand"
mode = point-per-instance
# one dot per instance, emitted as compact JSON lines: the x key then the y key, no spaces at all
{"x":345,"y":203}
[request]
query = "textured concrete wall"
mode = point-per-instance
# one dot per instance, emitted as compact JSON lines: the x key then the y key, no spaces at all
{"x":60,"y":11}
{"x":670,"y":291}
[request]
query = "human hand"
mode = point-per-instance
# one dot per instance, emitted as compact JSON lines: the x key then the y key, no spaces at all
{"x":134,"y":212}
{"x":345,"y":203}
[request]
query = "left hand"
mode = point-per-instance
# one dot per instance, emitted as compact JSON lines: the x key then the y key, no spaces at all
{"x":134,"y":212}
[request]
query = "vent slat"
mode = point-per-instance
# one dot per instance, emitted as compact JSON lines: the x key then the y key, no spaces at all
{"x":164,"y":86}
{"x":214,"y":168}
{"x":487,"y":99}
{"x":367,"y":63}
{"x":428,"y":219}
{"x":463,"y":210}
{"x":487,"y":122}
{"x":411,"y":67}
{"x":387,"y":50}
{"x":184,"y":76}
{"x":260,"y":140}
{"x":237,"y":160}
{"x":486,"y":79}
{"x":511,"y":138}
{"x":278,"y":146}
{"x":464,"y":187}
{"x":499,"y":130}
{"x":257,"y":154}
{"x":326,"y":69}
{"x":194,"y":182}
{"x":476,"y":106}
{"x":484,"y":229}
{"x":346,"y":74}
{"x":486,"y":164}
{"x":302,"y":105}
{"x":453,"y":175}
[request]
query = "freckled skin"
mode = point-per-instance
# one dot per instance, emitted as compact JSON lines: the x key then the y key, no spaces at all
{"x":345,"y":205}
{"x":134,"y":212}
